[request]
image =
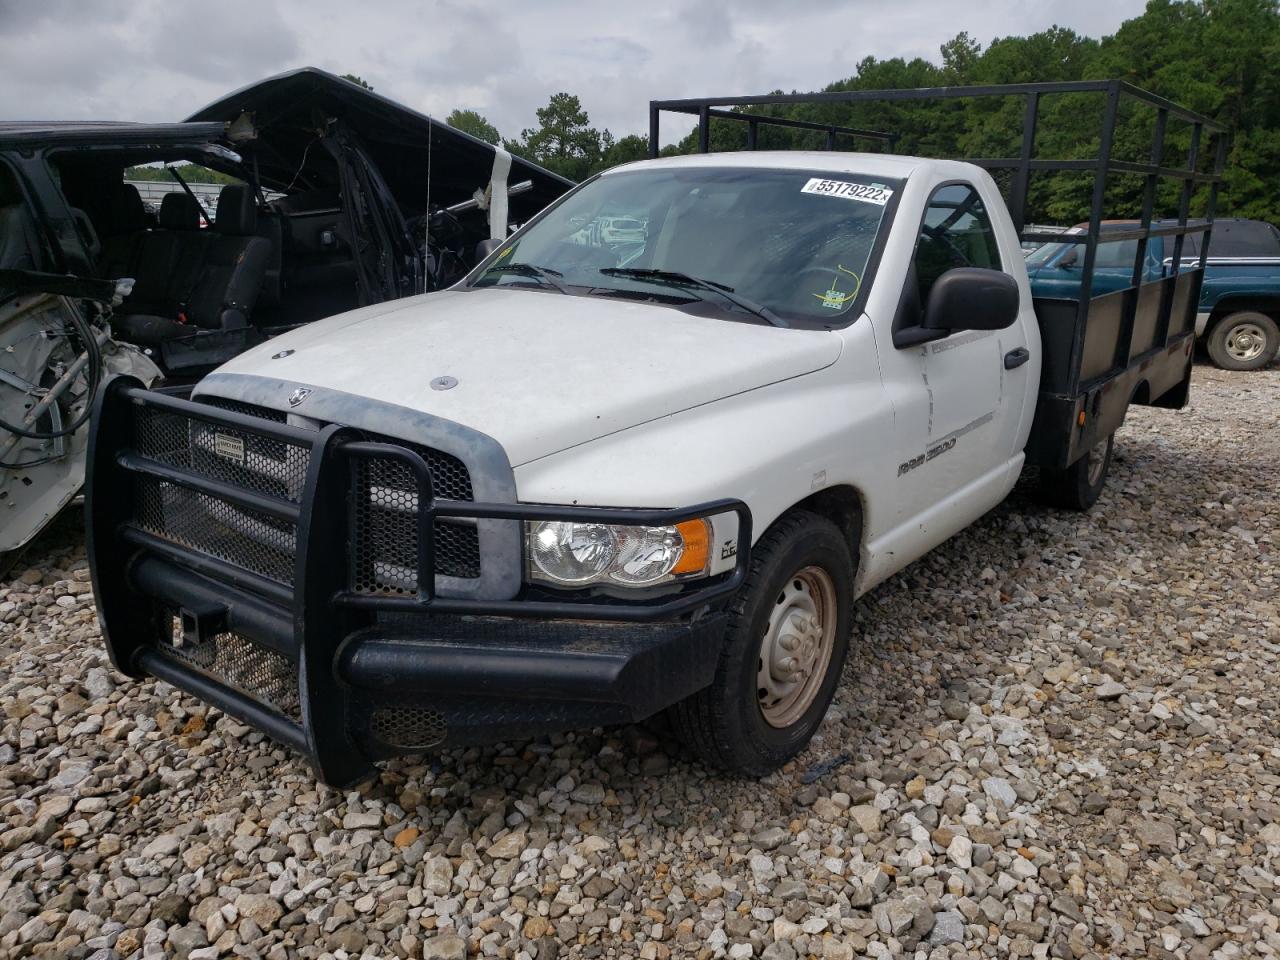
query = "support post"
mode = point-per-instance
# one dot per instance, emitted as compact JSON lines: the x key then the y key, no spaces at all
{"x":1188,"y":186}
{"x":1022,"y":174}
{"x":1105,"y":137}
{"x":1149,"y":196}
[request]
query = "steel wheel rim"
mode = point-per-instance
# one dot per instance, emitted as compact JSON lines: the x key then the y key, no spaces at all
{"x":1093,"y":467}
{"x":797,"y":646}
{"x":1246,"y":341}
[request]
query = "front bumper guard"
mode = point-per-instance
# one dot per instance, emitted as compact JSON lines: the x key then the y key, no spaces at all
{"x":347,"y":677}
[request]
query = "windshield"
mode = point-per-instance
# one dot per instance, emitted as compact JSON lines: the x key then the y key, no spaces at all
{"x":1044,"y":254}
{"x":789,"y":244}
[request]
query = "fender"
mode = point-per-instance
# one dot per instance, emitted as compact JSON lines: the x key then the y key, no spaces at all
{"x":772,"y":447}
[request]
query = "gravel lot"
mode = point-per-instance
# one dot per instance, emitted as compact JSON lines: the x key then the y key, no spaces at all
{"x":1055,"y":738}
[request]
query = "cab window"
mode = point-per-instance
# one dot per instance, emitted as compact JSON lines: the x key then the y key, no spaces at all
{"x":1244,"y":238}
{"x":1111,"y":256}
{"x":956,"y":232}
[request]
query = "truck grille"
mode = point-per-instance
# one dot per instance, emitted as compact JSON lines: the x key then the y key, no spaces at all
{"x":247,"y":538}
{"x":384,"y":552}
{"x":386,"y":535}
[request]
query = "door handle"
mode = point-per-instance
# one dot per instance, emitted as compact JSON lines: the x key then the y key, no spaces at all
{"x":1016,"y":358}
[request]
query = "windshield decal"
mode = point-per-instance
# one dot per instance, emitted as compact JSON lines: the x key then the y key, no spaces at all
{"x":866,"y":192}
{"x":832,"y":298}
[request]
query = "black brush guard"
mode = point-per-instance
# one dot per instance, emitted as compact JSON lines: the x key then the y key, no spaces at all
{"x":241,"y":592}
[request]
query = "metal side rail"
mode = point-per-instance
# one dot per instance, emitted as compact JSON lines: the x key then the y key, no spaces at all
{"x":227,"y":558}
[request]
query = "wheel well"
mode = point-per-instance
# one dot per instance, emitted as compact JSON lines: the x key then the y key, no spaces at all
{"x":842,"y":505}
{"x":1142,"y":395}
{"x":1229,"y":305}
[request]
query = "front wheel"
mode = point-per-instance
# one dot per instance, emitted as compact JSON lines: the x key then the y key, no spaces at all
{"x":1079,"y":486}
{"x":783,"y":653}
{"x":1246,"y":340}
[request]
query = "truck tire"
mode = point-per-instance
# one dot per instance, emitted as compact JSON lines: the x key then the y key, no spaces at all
{"x":1079,"y":486}
{"x":1246,"y":340}
{"x":783,"y":653}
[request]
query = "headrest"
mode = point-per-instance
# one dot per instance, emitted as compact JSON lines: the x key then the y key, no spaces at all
{"x":128,"y":215}
{"x":237,"y":211}
{"x":179,"y":212}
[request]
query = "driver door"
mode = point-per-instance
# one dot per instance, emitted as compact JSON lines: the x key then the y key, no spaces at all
{"x":957,"y":400}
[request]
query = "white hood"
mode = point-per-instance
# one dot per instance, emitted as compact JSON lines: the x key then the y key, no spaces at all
{"x":537,"y":371}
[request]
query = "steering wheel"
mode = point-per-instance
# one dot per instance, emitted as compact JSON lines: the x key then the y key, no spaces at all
{"x":940,"y":236}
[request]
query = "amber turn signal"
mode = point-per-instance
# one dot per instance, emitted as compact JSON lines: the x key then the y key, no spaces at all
{"x":697,"y":547}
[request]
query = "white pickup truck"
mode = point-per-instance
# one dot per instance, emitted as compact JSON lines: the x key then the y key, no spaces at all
{"x":645,"y":473}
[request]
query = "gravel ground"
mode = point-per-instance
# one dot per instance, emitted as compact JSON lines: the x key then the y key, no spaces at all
{"x":1055,"y":737}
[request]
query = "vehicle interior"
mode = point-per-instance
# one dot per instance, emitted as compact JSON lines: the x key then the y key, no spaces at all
{"x":219,"y":266}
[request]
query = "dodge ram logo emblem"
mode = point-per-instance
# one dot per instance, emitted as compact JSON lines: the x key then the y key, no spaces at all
{"x":299,"y":395}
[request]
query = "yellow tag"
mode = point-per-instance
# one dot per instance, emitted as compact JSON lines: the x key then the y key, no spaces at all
{"x":833,"y":298}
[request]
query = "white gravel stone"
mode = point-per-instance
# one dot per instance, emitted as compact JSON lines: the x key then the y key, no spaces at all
{"x":948,"y":927}
{"x":960,"y":852}
{"x":1000,"y":790}
{"x":1110,"y":690}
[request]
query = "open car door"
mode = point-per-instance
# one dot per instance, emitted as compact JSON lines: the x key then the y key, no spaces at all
{"x":389,"y":264}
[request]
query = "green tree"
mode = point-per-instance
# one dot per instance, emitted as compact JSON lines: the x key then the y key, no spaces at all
{"x":1216,"y":57}
{"x":358,"y":81}
{"x":960,"y":55}
{"x":627,"y":150}
{"x":563,"y":141}
{"x":468,"y":121}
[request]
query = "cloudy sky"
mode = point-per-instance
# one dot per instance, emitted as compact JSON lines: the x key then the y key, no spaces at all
{"x":152,"y":60}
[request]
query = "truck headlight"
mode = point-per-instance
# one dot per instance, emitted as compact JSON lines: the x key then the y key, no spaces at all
{"x":572,"y":554}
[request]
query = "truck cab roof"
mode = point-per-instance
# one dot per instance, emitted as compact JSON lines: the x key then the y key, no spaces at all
{"x":873,"y":164}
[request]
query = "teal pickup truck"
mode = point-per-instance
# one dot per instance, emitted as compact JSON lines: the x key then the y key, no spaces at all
{"x":1238,"y":322}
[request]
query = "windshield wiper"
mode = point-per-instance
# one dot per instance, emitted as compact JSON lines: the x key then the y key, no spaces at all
{"x":683,"y":279}
{"x":545,"y":274}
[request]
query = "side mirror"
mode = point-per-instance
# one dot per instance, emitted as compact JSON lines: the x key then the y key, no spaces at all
{"x":486,"y":247}
{"x":972,"y":298}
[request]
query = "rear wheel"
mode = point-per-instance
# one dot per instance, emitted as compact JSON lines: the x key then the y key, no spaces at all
{"x":784,"y":650}
{"x":1079,"y":486}
{"x":1247,"y":340}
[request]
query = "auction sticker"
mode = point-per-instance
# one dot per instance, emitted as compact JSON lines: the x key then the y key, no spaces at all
{"x":866,"y":192}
